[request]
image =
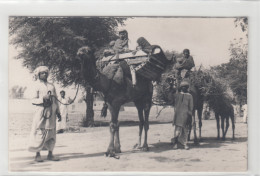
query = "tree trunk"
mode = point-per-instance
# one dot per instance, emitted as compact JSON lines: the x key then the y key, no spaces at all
{"x":89,"y":119}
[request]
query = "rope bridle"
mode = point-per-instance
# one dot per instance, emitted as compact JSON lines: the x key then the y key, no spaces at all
{"x":67,"y":103}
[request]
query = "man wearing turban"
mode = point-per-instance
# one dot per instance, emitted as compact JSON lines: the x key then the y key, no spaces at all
{"x":43,"y":132}
{"x":182,"y":115}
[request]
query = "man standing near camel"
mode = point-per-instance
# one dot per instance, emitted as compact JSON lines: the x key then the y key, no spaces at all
{"x":182,"y":116}
{"x":62,"y":124}
{"x":43,"y":132}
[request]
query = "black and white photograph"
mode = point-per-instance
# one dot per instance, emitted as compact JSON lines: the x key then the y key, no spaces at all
{"x":143,"y":94}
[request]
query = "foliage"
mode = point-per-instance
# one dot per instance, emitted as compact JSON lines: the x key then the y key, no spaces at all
{"x":54,"y":42}
{"x":17,"y":92}
{"x":163,"y":89}
{"x":242,"y":22}
{"x":216,"y":93}
{"x":235,"y":71}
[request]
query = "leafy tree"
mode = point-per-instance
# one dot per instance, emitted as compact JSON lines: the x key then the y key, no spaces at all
{"x":17,"y":92}
{"x":242,"y":22}
{"x":54,"y":41}
{"x":235,"y":71}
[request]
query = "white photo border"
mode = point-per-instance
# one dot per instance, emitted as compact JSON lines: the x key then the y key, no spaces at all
{"x":162,"y":8}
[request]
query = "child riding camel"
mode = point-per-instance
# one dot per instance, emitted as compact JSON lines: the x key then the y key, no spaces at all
{"x":184,"y":65}
{"x":121,"y":44}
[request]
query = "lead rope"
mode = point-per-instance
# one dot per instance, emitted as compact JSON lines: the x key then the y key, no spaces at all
{"x":72,"y":99}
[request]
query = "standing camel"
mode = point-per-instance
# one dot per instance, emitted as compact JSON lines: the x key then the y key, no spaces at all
{"x":118,"y":94}
{"x":221,"y":105}
{"x":225,"y":113}
{"x":198,"y":105}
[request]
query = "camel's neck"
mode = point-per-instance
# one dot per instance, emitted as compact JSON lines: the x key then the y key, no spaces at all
{"x":93,"y":76}
{"x":100,"y":82}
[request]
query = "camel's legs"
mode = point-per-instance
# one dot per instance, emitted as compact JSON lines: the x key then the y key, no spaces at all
{"x":227,"y":125}
{"x":222,"y":127}
{"x":233,"y":126}
{"x":190,"y":127}
{"x":114,"y":144}
{"x":117,"y":140}
{"x":146,"y":125}
{"x":217,"y":120}
{"x":143,"y":109}
{"x":194,"y":127}
{"x":199,"y":112}
{"x":140,"y":108}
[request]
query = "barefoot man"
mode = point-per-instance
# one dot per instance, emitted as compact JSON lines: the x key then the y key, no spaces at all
{"x":43,"y":132}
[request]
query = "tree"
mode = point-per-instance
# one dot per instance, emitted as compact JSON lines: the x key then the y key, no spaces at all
{"x":17,"y":92}
{"x":54,"y":41}
{"x":235,"y":71}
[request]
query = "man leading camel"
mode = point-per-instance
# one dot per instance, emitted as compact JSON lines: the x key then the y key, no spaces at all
{"x":43,"y":132}
{"x":182,"y":115}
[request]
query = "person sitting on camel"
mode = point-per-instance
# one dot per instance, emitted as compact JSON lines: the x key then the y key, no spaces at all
{"x":110,"y":50}
{"x":144,"y":45}
{"x":184,"y":65}
{"x":121,"y":44}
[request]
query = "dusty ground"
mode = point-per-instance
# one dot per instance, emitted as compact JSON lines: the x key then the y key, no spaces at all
{"x":82,"y":149}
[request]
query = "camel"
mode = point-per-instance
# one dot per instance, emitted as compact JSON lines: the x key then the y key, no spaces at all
{"x":116,"y":95}
{"x":225,"y":112}
{"x":198,"y":105}
{"x":222,"y":107}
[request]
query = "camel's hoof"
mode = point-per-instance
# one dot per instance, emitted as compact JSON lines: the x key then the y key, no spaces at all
{"x":196,"y":142}
{"x":112,"y":155}
{"x":223,"y":138}
{"x":118,"y":150}
{"x":175,"y":147}
{"x":137,"y":146}
{"x":110,"y":152}
{"x":145,"y":148}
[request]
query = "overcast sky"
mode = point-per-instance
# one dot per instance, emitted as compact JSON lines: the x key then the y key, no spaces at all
{"x":207,"y":38}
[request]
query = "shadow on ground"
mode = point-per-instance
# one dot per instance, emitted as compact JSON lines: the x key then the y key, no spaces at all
{"x":127,"y":123}
{"x":208,"y":142}
{"x":29,"y":161}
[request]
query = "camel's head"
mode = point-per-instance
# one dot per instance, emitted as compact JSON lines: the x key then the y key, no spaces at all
{"x":84,"y":51}
{"x":88,"y":66}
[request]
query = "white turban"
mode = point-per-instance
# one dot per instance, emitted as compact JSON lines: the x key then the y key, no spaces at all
{"x":39,"y":70}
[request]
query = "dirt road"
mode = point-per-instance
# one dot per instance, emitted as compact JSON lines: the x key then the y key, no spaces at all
{"x":83,"y":151}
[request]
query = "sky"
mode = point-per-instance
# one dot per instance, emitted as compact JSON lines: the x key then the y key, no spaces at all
{"x":207,"y":38}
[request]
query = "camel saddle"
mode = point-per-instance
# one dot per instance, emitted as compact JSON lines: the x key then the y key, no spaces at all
{"x":147,"y":64}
